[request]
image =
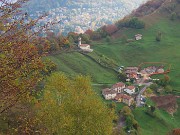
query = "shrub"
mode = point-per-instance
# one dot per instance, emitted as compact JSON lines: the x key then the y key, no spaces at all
{"x":158,"y":36}
{"x":131,"y":23}
{"x":154,"y":86}
{"x":110,"y":29}
{"x":168,"y":89}
{"x":173,"y":16}
{"x":149,"y":91}
{"x":108,"y":39}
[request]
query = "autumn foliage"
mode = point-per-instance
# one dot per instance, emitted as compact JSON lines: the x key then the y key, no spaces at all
{"x":70,"y":107}
{"x":175,"y":132}
{"x":110,"y":29}
{"x":148,"y":7}
{"x":20,"y":62}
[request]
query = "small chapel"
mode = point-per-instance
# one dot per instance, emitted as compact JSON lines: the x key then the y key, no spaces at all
{"x":84,"y":47}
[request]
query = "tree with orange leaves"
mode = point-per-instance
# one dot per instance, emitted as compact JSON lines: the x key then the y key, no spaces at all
{"x":175,"y":132}
{"x":20,"y":62}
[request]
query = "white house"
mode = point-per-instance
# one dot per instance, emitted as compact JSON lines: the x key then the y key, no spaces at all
{"x":118,"y":87}
{"x":109,"y":94}
{"x":130,"y":89}
{"x":84,"y":47}
{"x":138,"y":36}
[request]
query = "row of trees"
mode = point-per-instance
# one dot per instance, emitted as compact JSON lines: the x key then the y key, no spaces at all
{"x":102,"y":32}
{"x":60,"y":43}
{"x":131,"y":23}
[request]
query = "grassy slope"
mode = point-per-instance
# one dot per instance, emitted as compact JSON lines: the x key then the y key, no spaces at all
{"x":168,"y":50}
{"x":155,"y":126}
{"x":132,"y":54}
{"x":76,"y":63}
{"x":148,"y":50}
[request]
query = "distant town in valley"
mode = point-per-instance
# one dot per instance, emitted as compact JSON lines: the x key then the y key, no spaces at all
{"x":79,"y":16}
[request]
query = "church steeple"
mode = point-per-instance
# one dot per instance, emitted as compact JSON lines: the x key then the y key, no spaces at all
{"x":79,"y":41}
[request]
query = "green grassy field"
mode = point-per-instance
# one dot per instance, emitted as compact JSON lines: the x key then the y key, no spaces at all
{"x":132,"y":54}
{"x":157,"y":125}
{"x":148,"y":49}
{"x":76,"y":63}
{"x":129,"y":54}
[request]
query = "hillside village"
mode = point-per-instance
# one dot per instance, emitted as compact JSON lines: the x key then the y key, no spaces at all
{"x":130,"y":94}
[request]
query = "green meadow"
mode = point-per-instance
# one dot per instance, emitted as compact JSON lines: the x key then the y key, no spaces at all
{"x":148,"y":49}
{"x":77,"y":64}
{"x":159,"y":125}
{"x":133,"y":54}
{"x":128,"y":54}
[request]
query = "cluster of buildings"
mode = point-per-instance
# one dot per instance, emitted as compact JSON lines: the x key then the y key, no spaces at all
{"x":142,"y":74}
{"x":153,"y":69}
{"x":120,"y":93}
{"x":131,"y":72}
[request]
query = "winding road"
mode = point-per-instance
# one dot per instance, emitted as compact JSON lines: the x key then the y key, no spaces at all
{"x":138,"y":98}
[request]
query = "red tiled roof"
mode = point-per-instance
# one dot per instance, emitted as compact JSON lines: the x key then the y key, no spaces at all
{"x":119,"y":84}
{"x":108,"y":91}
{"x":124,"y":96}
{"x":131,"y":87}
{"x":133,"y":73}
{"x":84,"y":45}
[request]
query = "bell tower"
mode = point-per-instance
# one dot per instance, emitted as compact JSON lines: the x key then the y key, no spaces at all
{"x":79,"y":41}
